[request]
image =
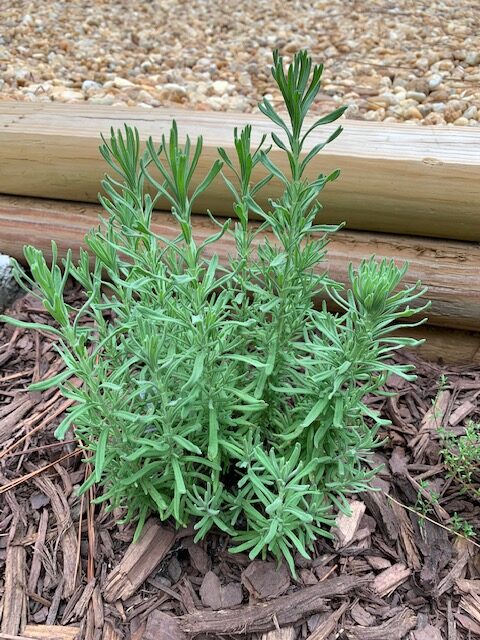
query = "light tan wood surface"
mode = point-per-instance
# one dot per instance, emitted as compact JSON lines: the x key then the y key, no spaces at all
{"x":451,"y":346}
{"x":395,"y":178}
{"x":450,"y":269}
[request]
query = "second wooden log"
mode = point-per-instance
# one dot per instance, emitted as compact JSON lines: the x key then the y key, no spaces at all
{"x":448,"y":268}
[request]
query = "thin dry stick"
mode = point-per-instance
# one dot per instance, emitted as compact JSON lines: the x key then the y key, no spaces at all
{"x":56,"y":413}
{"x":32,"y":474}
{"x":8,"y":344}
{"x":7,"y":636}
{"x":90,"y":528}
{"x":43,"y":447}
{"x":36,"y":369}
{"x":79,"y":539}
{"x":442,"y":526}
{"x":14,"y":376}
{"x":329,"y":573}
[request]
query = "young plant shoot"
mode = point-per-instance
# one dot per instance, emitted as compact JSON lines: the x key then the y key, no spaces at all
{"x":217,"y":392}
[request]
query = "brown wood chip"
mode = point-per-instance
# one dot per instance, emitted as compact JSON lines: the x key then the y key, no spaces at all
{"x":36,"y":565}
{"x":432,"y":421}
{"x":378,"y":562}
{"x":68,"y":538}
{"x":82,"y":603}
{"x":218,"y":596}
{"x":12,"y":422}
{"x":379,"y":507}
{"x":162,"y":626}
{"x":427,"y":633}
{"x":14,"y":594}
{"x":436,"y":552}
{"x":264,"y":580}
{"x":455,"y":572}
{"x":461,"y":412}
{"x":387,"y":581}
{"x":468,"y":586}
{"x":328,"y":626}
{"x":361,"y":616}
{"x":407,"y":538}
{"x":346,"y":527}
{"x":110,"y":632}
{"x":287,"y":633}
{"x":470,"y":603}
{"x":199,"y":559}
{"x":140,"y":560}
{"x":51,"y":632}
{"x":468,"y":624}
{"x":394,"y":629}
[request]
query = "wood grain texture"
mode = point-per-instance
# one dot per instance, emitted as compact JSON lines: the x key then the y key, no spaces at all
{"x":139,"y":561}
{"x":448,"y":268}
{"x":51,"y":632}
{"x":14,"y":601}
{"x":261,"y":617}
{"x":395,"y":178}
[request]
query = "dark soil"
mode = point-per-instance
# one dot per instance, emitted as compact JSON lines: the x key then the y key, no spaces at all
{"x":389,"y":574}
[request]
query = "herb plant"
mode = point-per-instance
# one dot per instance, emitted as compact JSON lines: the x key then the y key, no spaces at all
{"x":461,"y":457}
{"x":219,"y":392}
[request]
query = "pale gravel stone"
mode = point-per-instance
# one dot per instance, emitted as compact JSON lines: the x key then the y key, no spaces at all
{"x":9,"y":289}
{"x":412,"y":113}
{"x":88,"y":85}
{"x":435,"y":81}
{"x":221,"y":87}
{"x":473,"y":58}
{"x":64,"y":94}
{"x":122,"y":83}
{"x":471,"y":113}
{"x":388,"y":98}
{"x":172,"y":91}
{"x":102,"y":99}
{"x":215,"y":54}
{"x":418,"y":96}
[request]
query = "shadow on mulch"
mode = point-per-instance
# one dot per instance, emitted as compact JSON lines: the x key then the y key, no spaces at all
{"x":69,"y":570}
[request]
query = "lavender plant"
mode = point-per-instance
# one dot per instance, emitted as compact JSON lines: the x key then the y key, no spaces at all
{"x":218,"y":392}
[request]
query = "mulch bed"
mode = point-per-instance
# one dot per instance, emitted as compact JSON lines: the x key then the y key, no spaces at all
{"x":69,"y":570}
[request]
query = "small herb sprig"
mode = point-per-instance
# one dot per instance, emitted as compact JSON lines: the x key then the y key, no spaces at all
{"x":218,"y":392}
{"x":461,"y":457}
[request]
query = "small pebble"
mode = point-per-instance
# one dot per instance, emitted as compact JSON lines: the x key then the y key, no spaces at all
{"x":102,"y":99}
{"x":434,"y":118}
{"x":122,"y":83}
{"x":172,"y":91}
{"x":435,"y":81}
{"x":387,"y":99}
{"x":418,"y":96}
{"x":473,"y":58}
{"x":471,"y":112}
{"x":88,"y":85}
{"x":147,"y":98}
{"x":412,"y":113}
{"x":221,"y":87}
{"x":64,"y":94}
{"x":450,"y":114}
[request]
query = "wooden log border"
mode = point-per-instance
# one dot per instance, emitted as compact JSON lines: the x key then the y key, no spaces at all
{"x":450,"y":269}
{"x":402,"y":179}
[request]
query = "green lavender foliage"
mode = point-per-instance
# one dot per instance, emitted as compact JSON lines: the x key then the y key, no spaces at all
{"x":219,"y":393}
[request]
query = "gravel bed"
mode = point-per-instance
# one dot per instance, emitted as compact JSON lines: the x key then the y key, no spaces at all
{"x":396,"y":61}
